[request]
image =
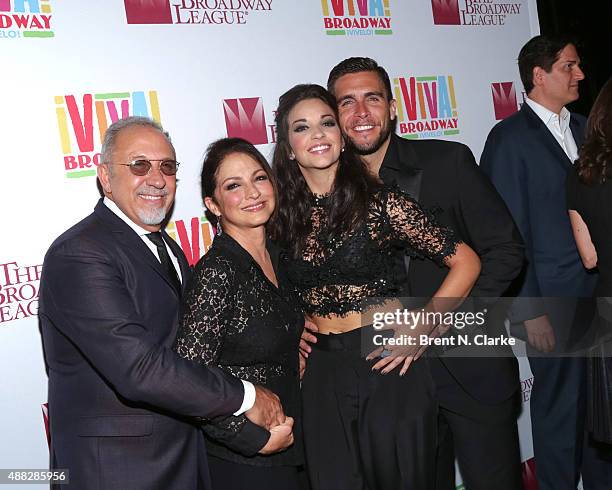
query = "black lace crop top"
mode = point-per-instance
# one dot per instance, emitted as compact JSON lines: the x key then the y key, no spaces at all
{"x":334,"y":276}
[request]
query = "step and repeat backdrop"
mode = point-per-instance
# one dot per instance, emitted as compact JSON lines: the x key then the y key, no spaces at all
{"x":206,"y":69}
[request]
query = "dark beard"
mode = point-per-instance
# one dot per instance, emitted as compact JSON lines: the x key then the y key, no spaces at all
{"x":374,"y":147}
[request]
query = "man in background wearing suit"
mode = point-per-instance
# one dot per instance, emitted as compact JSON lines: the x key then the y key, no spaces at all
{"x":122,"y":405}
{"x":476,"y":397}
{"x":527,"y":156}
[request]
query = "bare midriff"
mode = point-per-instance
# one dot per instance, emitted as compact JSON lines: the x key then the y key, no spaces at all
{"x":337,"y":324}
{"x":340,"y":324}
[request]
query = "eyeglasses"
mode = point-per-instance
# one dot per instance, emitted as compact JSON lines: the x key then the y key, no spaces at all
{"x":142,"y":167}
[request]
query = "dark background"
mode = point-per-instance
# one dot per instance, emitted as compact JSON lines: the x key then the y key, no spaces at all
{"x":589,"y":24}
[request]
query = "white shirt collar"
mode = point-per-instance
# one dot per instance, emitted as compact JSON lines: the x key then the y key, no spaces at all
{"x":547,"y":116}
{"x":110,"y":204}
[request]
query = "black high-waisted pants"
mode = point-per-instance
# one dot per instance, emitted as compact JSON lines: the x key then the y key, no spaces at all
{"x":364,"y":430}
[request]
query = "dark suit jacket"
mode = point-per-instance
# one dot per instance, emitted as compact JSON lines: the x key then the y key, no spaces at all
{"x":529,"y":168}
{"x":444,"y":175}
{"x":120,"y":401}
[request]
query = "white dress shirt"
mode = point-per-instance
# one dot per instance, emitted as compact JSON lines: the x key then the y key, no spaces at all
{"x":559,"y":126}
{"x":249,"y":390}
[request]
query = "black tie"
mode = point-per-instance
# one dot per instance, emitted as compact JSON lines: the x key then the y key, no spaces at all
{"x":164,"y":258}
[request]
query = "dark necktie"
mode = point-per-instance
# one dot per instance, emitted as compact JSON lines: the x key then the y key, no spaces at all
{"x":164,"y":258}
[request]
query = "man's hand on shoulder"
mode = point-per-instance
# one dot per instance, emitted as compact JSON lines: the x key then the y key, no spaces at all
{"x":267,"y":411}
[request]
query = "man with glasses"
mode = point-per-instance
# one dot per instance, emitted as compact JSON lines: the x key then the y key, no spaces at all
{"x":123,"y":407}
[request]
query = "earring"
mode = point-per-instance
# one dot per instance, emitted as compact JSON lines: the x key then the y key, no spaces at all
{"x":219,"y":229}
{"x":342,"y":149}
{"x":291,"y":156}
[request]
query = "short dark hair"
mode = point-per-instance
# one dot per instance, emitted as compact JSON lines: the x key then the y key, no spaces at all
{"x":216,"y":153}
{"x":356,"y":65}
{"x":539,"y":51}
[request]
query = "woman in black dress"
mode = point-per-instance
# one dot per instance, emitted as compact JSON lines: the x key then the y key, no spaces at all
{"x":341,"y":230}
{"x":589,"y":200}
{"x":240,"y":316}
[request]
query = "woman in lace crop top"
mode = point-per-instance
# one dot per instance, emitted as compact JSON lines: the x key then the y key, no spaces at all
{"x":341,"y":230}
{"x":240,"y":315}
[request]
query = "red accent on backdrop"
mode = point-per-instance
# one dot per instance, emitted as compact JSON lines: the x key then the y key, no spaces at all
{"x":245,"y":118}
{"x":45,"y":413}
{"x":446,"y":12}
{"x":504,"y":99}
{"x":148,"y":11}
{"x":529,"y":475}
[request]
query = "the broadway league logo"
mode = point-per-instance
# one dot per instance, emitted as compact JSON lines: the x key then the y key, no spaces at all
{"x":356,"y":17}
{"x":473,"y":12}
{"x":195,"y":236}
{"x":504,"y":99}
{"x":245,"y":118}
{"x":18,"y":20}
{"x":82,"y":122}
{"x":426,"y":106}
{"x":18,"y":291}
{"x":216,"y":12}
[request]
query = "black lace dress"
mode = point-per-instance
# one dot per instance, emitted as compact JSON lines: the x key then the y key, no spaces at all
{"x":339,"y":275}
{"x":362,"y":429}
{"x":236,"y":319}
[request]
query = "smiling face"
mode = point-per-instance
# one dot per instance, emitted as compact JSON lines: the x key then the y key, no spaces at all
{"x":244,"y":195}
{"x":366,"y":114}
{"x":145,"y":199}
{"x":314,"y":136}
{"x":559,"y":86}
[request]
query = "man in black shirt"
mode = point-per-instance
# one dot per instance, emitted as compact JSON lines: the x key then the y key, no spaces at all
{"x":476,"y":396}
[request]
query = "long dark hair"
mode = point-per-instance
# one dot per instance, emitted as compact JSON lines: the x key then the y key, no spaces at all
{"x":595,"y":159}
{"x":216,"y":153}
{"x":353,"y":184}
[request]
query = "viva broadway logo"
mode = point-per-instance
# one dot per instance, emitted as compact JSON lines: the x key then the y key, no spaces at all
{"x":82,"y":122}
{"x":25,"y":18}
{"x":356,"y":17}
{"x":195,"y":236}
{"x":426,"y":106}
